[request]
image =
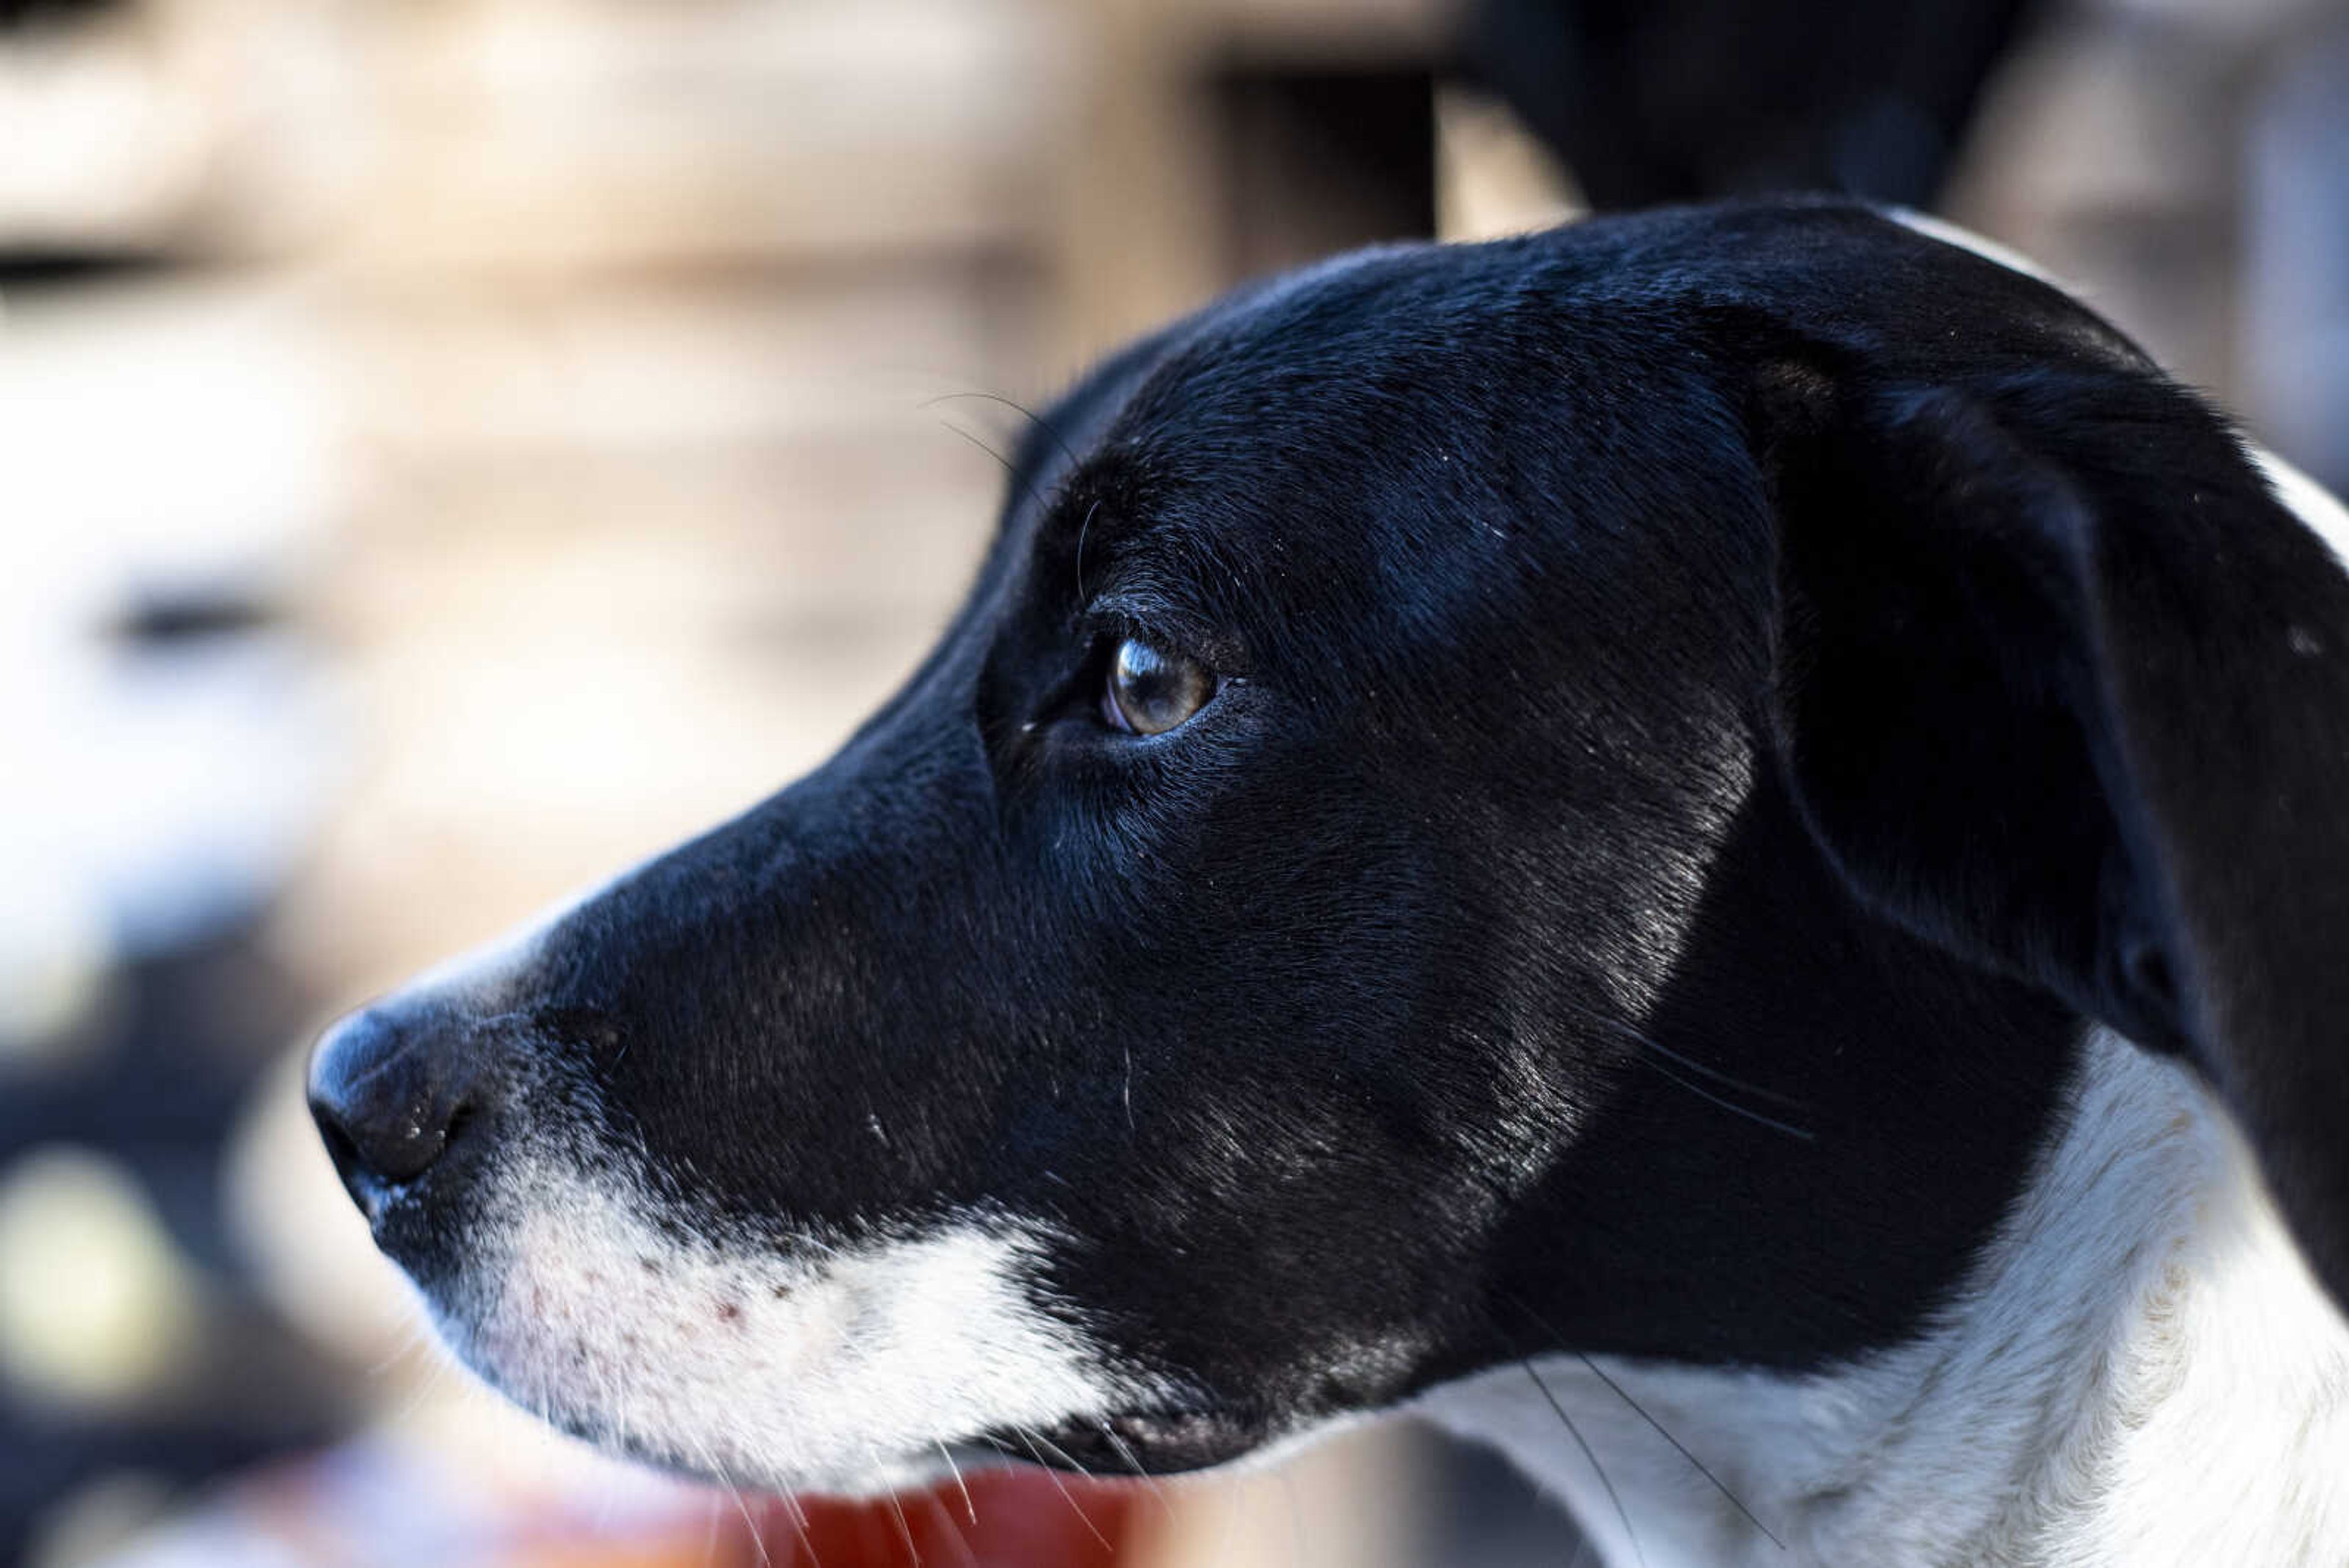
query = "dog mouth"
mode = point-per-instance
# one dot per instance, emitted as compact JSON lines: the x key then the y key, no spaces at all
{"x":1169,"y":1442}
{"x":842,"y":1365}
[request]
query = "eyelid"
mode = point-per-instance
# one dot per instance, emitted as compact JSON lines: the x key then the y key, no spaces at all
{"x":1112,"y":617}
{"x":1117,"y":614}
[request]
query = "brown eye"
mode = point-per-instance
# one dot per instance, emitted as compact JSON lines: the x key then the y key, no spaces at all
{"x":1150,"y":691}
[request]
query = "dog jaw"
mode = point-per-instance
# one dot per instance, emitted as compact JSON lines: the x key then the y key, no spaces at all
{"x":846,"y":1368}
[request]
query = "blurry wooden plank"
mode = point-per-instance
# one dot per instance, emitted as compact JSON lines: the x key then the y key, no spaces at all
{"x":1318,"y":158}
{"x":525,"y":133}
{"x":469,"y":369}
{"x":600,"y":135}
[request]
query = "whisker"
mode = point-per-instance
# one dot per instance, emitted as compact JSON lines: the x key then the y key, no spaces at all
{"x":1133,"y":1462}
{"x":1639,"y":1037}
{"x":707,"y":1457}
{"x":1062,"y":1454}
{"x":1641,"y":1410}
{"x":1597,"y":1469}
{"x":1681,"y":1448}
{"x":1023,"y":409}
{"x":1650,"y":1043}
{"x":904,"y":1530}
{"x":1062,"y":1487}
{"x":1730,"y":1106}
{"x":434,"y":1382}
{"x":961,"y":1485}
{"x":979,"y":443}
{"x":411,"y":1340}
{"x":1030,"y":490}
{"x":758,"y":1536}
{"x":953,"y":1531}
{"x":1082,"y":529}
{"x":796,"y":1513}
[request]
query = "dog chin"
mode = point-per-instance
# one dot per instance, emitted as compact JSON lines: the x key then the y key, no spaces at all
{"x":802,"y":1364}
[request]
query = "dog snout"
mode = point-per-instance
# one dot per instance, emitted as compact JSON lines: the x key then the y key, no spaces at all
{"x":394,"y":1088}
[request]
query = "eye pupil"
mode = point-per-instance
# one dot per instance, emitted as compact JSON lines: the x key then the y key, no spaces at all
{"x":1150,"y":691}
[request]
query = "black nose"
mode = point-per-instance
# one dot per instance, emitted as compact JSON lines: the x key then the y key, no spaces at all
{"x":392,"y":1088}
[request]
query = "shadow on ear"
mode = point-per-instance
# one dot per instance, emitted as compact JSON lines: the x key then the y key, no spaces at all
{"x":2064,"y":687}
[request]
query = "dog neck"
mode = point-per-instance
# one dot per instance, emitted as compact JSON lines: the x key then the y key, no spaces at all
{"x":2139,"y":1370}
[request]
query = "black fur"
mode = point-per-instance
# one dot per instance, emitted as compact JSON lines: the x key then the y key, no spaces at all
{"x":1711,"y":704}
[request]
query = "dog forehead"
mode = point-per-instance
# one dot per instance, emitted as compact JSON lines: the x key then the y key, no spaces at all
{"x":1308,"y":370}
{"x":1287,"y":432}
{"x":1418,"y":441}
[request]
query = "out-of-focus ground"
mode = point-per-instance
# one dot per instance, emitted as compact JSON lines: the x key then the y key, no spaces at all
{"x":450,"y":450}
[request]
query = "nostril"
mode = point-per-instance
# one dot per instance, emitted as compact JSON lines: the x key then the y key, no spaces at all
{"x":390,"y":1090}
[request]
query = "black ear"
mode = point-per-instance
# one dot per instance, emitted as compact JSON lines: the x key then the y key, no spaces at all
{"x":2063,"y":686}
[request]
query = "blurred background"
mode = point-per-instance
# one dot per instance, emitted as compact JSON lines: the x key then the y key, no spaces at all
{"x":451,"y":447}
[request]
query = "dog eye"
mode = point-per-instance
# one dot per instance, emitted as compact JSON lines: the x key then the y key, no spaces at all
{"x":1150,"y":691}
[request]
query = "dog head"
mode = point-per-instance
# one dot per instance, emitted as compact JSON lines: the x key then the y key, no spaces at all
{"x":1576,"y":793}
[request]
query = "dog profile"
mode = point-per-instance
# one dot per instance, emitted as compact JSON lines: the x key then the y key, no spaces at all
{"x":1731,"y":825}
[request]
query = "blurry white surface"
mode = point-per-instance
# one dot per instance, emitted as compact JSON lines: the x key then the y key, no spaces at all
{"x":171,"y":448}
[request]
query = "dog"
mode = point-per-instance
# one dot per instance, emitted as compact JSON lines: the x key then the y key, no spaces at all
{"x":1708,"y":846}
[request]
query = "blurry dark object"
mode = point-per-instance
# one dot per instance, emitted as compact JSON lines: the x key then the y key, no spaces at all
{"x":1318,"y":161}
{"x":1671,"y":100}
{"x":178,"y":1043}
{"x":37,"y":266}
{"x":159,"y":620}
{"x":154,"y":1088}
{"x":14,"y":13}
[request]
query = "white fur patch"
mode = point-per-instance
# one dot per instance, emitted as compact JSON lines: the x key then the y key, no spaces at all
{"x":836,"y":1368}
{"x":2306,"y":500}
{"x":2140,"y":1372}
{"x":1965,"y":239}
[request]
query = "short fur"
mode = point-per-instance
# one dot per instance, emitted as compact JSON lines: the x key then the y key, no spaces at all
{"x":1725,"y":720}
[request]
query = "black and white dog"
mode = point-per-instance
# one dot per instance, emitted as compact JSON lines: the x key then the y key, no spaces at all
{"x":1738,"y":816}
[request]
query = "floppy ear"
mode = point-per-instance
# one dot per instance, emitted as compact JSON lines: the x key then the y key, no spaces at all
{"x":2063,"y":686}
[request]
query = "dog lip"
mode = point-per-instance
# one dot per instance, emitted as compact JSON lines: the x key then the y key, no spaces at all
{"x":398,"y":1223}
{"x":412,"y":1222}
{"x":1165,"y":1442}
{"x":382,"y":1202}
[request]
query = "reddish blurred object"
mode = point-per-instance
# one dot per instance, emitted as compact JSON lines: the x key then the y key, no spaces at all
{"x":1009,"y":1520}
{"x":386,"y":1502}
